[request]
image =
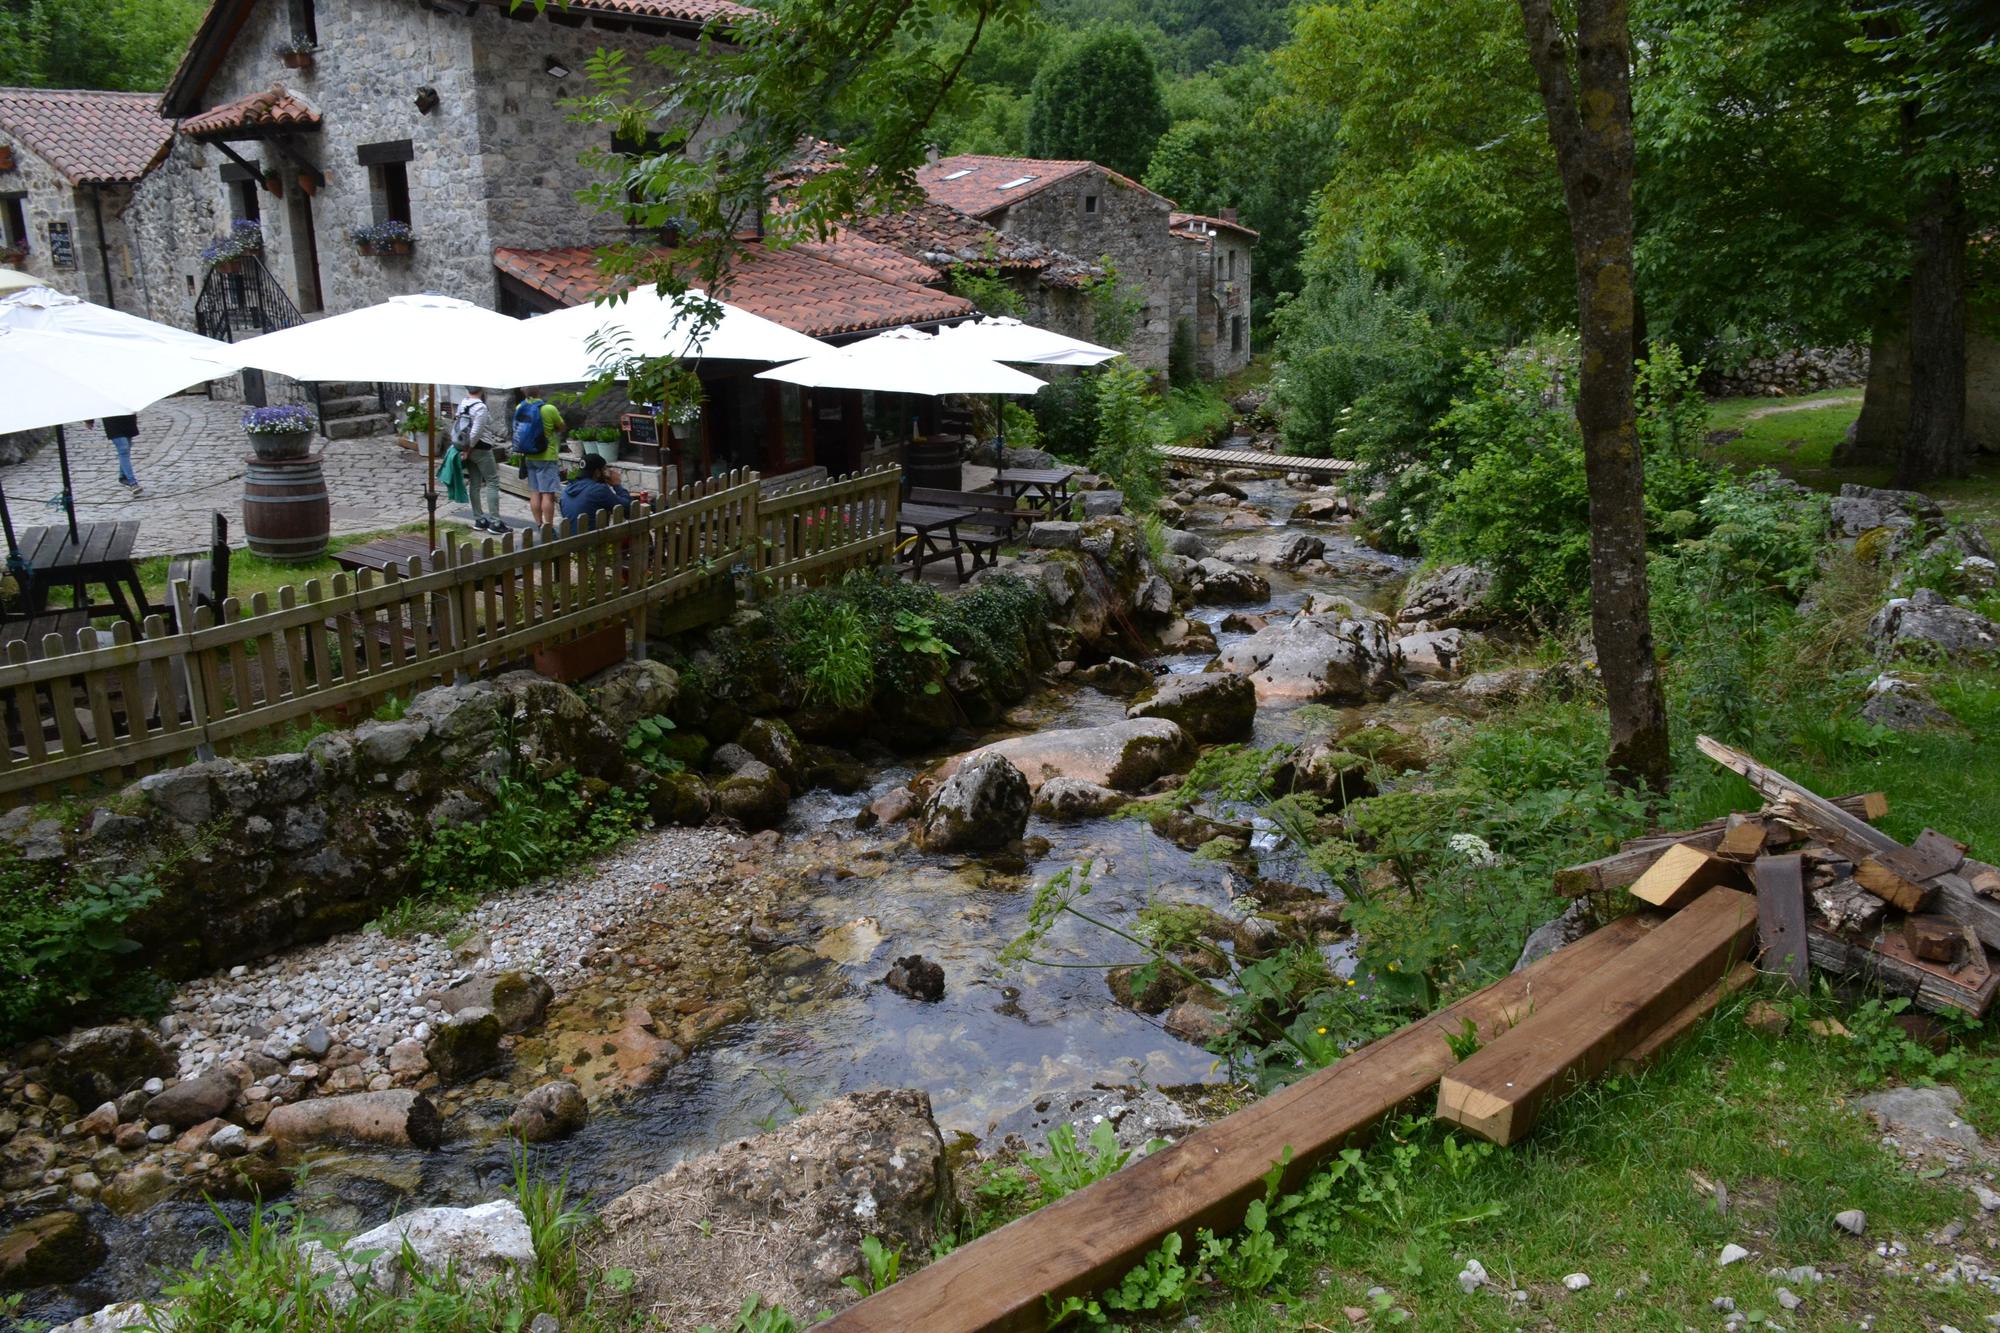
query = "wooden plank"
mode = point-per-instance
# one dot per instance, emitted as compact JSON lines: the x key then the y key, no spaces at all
{"x":1681,"y":875}
{"x":1744,"y":839}
{"x":1499,"y":1091}
{"x":1890,"y":964}
{"x":1934,"y":939}
{"x":1854,"y":837}
{"x":1781,"y":917}
{"x":1900,"y":892}
{"x":1655,"y":1042}
{"x":1624,"y":866}
{"x":1095,"y":1236}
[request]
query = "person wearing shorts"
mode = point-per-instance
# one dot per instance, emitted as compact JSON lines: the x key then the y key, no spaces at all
{"x":544,"y":472}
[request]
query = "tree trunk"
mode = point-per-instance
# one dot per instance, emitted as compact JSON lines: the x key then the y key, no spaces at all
{"x":1590,"y":124}
{"x":1935,"y":445}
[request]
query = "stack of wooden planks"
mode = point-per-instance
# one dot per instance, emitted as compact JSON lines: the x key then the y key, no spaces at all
{"x":1830,"y":891}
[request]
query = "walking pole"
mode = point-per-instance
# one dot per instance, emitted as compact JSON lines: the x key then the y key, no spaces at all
{"x":431,"y":470}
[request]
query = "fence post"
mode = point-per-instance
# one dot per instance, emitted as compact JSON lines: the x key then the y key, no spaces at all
{"x":457,"y":604}
{"x":191,"y":679}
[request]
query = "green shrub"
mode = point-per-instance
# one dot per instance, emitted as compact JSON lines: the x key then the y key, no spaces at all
{"x":64,"y":954}
{"x":1066,"y":415}
{"x":829,"y":646}
{"x":1128,"y":433}
{"x":985,"y":288}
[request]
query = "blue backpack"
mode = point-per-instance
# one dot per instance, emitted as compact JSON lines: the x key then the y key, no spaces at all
{"x":529,"y":435}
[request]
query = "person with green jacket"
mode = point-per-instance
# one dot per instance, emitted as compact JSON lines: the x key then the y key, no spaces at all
{"x":538,"y":438}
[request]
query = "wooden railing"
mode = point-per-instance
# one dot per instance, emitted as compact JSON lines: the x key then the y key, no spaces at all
{"x":108,"y":700}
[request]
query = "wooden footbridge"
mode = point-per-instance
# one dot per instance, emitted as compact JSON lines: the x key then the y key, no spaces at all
{"x":1326,"y":469}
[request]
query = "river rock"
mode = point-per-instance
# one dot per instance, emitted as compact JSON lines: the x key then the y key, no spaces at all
{"x":480,"y":1245}
{"x":135,"y":1189}
{"x":1153,"y":599}
{"x":1457,"y":595}
{"x":1126,"y":755}
{"x":894,"y":806}
{"x":981,"y":806}
{"x":1433,"y":654}
{"x":518,"y":999}
{"x":101,"y":1123}
{"x":1182,"y":543}
{"x":551,"y":1111}
{"x":1927,"y":624}
{"x":1188,"y":636}
{"x":192,"y":1101}
{"x":1318,"y":657}
{"x":917,"y":977}
{"x":1280,"y":550}
{"x":1334,"y":774}
{"x":98,"y":1064}
{"x":1197,"y":1022}
{"x":677,"y":798}
{"x":1320,"y":509}
{"x":754,"y":795}
{"x":1066,"y":800}
{"x":1219,"y":583}
{"x":632,"y":692}
{"x":1210,"y":706}
{"x":52,"y":1248}
{"x":465,"y":1045}
{"x":1116,"y":675}
{"x":783,"y":1214}
{"x":400,"y":1118}
{"x":123,"y":1315}
{"x":775,"y":743}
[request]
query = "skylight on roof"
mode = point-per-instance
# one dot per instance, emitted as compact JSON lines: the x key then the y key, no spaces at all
{"x":1016,"y":182}
{"x":962,"y":171}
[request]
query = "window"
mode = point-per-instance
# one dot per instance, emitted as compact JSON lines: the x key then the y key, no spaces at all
{"x":1090,"y":203}
{"x":304,"y":23}
{"x":960,"y":173}
{"x":1236,"y":333}
{"x":1017,"y":182}
{"x":248,"y":203}
{"x":13,"y":221}
{"x":388,"y":179}
{"x":1232,"y":265}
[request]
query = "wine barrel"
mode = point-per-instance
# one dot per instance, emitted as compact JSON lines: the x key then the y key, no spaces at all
{"x":286,"y":514}
{"x":936,"y":462}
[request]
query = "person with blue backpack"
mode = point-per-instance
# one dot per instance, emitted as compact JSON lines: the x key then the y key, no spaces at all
{"x":538,"y":437}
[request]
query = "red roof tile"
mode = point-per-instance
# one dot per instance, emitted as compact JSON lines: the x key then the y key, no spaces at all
{"x":273,"y":109}
{"x":849,"y":249}
{"x":682,"y":11}
{"x":806,"y":294}
{"x":87,"y":135}
{"x":971,"y":182}
{"x":1184,"y":224}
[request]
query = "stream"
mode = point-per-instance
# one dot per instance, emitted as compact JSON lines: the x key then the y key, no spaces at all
{"x":997,"y":1041}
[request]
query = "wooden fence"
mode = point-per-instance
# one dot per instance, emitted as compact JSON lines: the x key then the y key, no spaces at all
{"x":112,"y":701}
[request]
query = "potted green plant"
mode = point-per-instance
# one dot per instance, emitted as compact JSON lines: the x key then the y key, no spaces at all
{"x":297,"y":51}
{"x":385,"y":238}
{"x":413,"y":423}
{"x":280,"y":432}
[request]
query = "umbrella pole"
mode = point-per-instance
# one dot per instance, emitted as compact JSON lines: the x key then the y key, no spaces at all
{"x":7,"y":522}
{"x":999,"y":431}
{"x":69,"y":502}
{"x":431,"y":472}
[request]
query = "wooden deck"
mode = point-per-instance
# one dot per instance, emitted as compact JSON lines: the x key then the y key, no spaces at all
{"x":1328,"y":468}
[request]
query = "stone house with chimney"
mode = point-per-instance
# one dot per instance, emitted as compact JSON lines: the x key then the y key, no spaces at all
{"x":68,"y":163}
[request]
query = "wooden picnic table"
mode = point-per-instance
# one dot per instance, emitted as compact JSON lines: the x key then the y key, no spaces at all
{"x":926,"y":523}
{"x":101,"y":554}
{"x":394,"y":551}
{"x":1050,"y":485}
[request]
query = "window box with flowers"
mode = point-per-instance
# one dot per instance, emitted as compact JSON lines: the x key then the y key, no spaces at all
{"x":385,"y":238}
{"x":280,"y":432}
{"x":227,"y":252}
{"x":297,"y":51}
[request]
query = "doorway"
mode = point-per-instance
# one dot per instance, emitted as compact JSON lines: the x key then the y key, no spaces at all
{"x":305,"y":252}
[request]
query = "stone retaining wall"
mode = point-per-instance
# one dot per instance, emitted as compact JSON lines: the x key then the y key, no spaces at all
{"x":1803,"y":370}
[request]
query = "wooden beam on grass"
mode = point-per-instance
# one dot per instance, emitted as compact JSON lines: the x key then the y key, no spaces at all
{"x":1781,"y":917}
{"x":1655,"y":1042}
{"x":1682,"y":874}
{"x":1499,"y":1091}
{"x":1092,"y":1238}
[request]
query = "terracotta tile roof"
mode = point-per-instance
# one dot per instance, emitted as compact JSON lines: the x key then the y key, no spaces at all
{"x":1184,"y":224}
{"x":972,"y":182}
{"x":273,"y":109}
{"x":806,"y":294}
{"x":850,"y":249}
{"x":87,"y":135}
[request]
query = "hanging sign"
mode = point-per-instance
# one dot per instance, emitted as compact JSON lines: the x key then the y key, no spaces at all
{"x":62,"y":250}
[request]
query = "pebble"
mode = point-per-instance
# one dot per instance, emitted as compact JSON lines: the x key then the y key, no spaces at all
{"x":1854,"y":1222}
{"x":1577,"y":1281}
{"x":1723,"y":1303}
{"x":1731,"y":1254}
{"x":1988,"y":1199}
{"x":1472,"y":1277}
{"x":1788,"y":1299}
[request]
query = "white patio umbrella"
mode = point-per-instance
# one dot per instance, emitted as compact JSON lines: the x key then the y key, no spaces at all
{"x":13,"y":280}
{"x":578,"y":342}
{"x":1003,"y":338}
{"x":903,"y":361}
{"x":66,"y":360}
{"x":407,"y":339}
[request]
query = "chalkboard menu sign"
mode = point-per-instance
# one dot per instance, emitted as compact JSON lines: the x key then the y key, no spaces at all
{"x":62,"y":250}
{"x":641,"y":427}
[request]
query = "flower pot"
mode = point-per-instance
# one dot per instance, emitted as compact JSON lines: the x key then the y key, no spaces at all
{"x":604,"y":449}
{"x":272,"y":445}
{"x":583,"y":657}
{"x":297,"y":59}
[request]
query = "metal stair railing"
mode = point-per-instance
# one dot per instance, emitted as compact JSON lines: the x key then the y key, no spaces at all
{"x":240,"y":299}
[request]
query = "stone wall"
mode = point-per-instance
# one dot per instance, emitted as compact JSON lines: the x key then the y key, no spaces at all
{"x":1213,"y":296}
{"x":176,"y":210}
{"x":1885,"y":411}
{"x":1801,"y":370}
{"x":1130,"y":226}
{"x":51,"y":198}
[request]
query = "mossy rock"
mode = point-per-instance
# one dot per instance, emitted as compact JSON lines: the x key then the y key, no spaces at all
{"x":689,"y":748}
{"x":678,"y":798}
{"x":465,"y":1047}
{"x":1153,"y":997}
{"x":52,"y":1248}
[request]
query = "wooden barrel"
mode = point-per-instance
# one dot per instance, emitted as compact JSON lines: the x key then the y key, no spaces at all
{"x":286,"y":515}
{"x":935,"y":462}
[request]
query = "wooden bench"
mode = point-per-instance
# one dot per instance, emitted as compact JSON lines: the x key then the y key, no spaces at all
{"x":991,"y":512}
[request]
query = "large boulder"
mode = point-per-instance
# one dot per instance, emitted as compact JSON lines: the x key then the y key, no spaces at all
{"x":633,"y":691}
{"x":1926,"y":624}
{"x":981,"y":806}
{"x":466,"y":1045}
{"x":52,"y":1248}
{"x":1211,"y":706}
{"x":399,"y":1118}
{"x":1457,"y":595}
{"x":518,"y":999}
{"x":1066,"y":800}
{"x":1125,"y":755}
{"x":480,"y":1245}
{"x":754,"y":795}
{"x":783,"y":1214}
{"x":549,"y":1112}
{"x":1434,"y":654}
{"x":1862,"y":509}
{"x":1280,"y":550}
{"x":98,"y":1064}
{"x":1180,"y":542}
{"x":192,"y":1101}
{"x":1318,"y":658}
{"x":775,"y":743}
{"x":1903,"y":705}
{"x":1219,"y":583}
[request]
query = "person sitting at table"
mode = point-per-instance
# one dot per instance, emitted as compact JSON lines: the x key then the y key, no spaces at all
{"x":600,"y":488}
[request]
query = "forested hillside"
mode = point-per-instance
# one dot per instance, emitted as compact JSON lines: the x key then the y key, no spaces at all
{"x":130,"y":45}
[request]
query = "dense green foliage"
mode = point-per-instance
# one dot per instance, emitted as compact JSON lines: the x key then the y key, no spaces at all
{"x":132,"y":45}
{"x":64,"y":954}
{"x":1099,"y":100}
{"x":1127,"y":449}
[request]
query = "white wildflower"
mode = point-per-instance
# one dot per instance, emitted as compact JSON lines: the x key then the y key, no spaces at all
{"x":1473,"y":849}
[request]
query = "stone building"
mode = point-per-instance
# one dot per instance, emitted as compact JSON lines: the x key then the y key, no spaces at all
{"x":1215,"y":299}
{"x":1081,"y":208}
{"x":68,"y":164}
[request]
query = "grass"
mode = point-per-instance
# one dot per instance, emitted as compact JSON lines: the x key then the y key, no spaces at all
{"x":250,"y":573}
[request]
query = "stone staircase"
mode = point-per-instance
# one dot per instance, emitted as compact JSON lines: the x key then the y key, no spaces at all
{"x":351,"y":411}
